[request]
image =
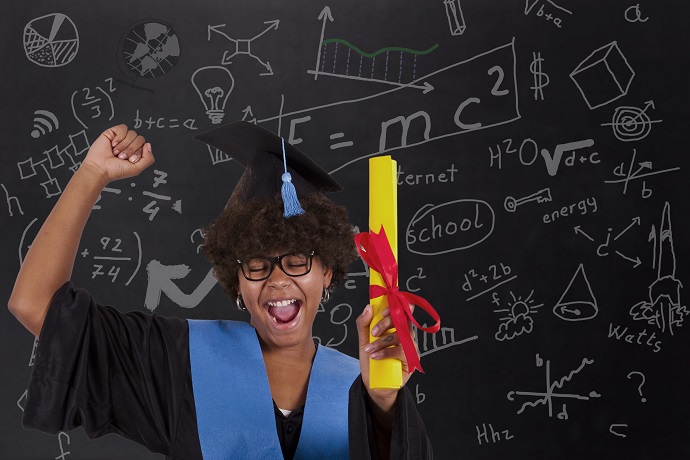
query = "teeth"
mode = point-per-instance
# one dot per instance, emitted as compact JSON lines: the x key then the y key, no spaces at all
{"x":274,"y":319}
{"x":281,"y":303}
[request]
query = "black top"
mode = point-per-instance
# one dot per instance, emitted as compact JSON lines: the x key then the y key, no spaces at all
{"x":289,"y":428}
{"x":130,"y":374}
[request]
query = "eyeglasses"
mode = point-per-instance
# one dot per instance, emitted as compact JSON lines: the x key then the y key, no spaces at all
{"x":292,"y":264}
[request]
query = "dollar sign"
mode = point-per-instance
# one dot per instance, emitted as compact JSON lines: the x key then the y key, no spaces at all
{"x":540,"y":78}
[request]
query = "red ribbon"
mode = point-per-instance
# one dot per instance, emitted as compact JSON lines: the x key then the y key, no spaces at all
{"x":375,"y":250}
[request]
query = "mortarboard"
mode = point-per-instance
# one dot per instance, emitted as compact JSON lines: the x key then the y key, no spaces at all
{"x":261,"y":152}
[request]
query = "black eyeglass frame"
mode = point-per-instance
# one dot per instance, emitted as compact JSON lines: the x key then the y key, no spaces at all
{"x":278,"y":260}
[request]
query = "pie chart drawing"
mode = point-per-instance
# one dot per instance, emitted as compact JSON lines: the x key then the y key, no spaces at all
{"x":51,"y":40}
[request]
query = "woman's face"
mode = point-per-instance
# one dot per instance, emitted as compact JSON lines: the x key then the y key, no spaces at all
{"x":282,"y":307}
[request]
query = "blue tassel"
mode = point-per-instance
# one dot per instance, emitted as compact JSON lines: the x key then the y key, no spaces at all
{"x":291,"y":206}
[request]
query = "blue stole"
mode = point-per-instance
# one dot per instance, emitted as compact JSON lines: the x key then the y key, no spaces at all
{"x":234,"y":407}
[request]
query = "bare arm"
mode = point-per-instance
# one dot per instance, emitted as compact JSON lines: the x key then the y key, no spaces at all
{"x":50,"y":260}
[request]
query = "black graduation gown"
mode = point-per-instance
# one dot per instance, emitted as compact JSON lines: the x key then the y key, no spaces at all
{"x":130,"y":374}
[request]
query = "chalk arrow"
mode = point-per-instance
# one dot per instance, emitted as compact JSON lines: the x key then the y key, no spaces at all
{"x":648,"y":104}
{"x":635,"y":221}
{"x":636,"y":260}
{"x":161,"y":281}
{"x":578,"y":230}
{"x":269,"y":70}
{"x":324,"y":15}
{"x":248,"y":116}
{"x":24,"y":396}
{"x":273,"y":25}
{"x":217,"y":30}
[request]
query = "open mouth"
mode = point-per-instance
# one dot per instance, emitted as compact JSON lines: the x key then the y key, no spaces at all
{"x":283,"y":312}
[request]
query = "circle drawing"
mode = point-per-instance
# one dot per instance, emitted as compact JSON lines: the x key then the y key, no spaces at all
{"x":51,"y":40}
{"x":150,"y":49}
{"x":630,"y":124}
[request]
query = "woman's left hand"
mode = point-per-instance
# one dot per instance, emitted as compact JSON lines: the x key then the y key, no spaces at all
{"x":387,"y":345}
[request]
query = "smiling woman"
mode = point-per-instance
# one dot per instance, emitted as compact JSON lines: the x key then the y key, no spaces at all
{"x":217,"y":389}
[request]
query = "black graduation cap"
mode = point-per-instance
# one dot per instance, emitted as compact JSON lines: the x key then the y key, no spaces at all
{"x":261,"y":152}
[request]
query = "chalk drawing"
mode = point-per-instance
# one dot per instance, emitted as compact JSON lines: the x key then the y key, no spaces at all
{"x":597,"y":82}
{"x":461,"y":224}
{"x":631,"y":123}
{"x":243,"y":46}
{"x":45,"y":121}
{"x":456,"y":20}
{"x":663,"y":307}
{"x":547,"y":397}
{"x":213,"y":84}
{"x":629,"y":175}
{"x":577,"y":303}
{"x":541,"y":79}
{"x":161,"y":280}
{"x":518,"y":320}
{"x":634,"y":14}
{"x":56,"y":48}
{"x":542,"y":196}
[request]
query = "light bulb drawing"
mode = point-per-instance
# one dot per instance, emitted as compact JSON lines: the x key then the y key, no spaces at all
{"x":213,"y":84}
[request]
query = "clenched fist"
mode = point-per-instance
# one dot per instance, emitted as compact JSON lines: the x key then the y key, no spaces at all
{"x":119,"y":153}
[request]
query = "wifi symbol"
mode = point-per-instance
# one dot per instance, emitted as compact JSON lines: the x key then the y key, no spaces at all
{"x":44,"y":120}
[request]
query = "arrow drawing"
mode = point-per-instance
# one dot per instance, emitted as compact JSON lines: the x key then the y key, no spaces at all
{"x":161,"y":281}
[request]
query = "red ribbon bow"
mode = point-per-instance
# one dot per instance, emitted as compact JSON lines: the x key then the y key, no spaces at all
{"x":375,"y":250}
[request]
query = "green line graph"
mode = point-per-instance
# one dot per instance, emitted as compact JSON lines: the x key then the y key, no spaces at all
{"x":391,"y":65}
{"x":382,"y":50}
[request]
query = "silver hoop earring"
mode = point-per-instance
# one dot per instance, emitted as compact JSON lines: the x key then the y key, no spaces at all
{"x":240,"y":303}
{"x":326,"y":296}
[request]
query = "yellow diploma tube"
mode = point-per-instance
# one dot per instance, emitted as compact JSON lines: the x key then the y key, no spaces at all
{"x":383,"y":211}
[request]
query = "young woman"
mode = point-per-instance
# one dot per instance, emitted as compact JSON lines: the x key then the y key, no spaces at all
{"x":215,"y":389}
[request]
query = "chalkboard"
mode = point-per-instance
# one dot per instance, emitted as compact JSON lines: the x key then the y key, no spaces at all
{"x":541,"y":149}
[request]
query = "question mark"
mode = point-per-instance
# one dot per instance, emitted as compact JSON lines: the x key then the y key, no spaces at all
{"x":640,"y":387}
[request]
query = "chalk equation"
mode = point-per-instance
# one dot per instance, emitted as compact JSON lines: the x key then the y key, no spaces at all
{"x":528,"y":152}
{"x":92,"y":103}
{"x":486,"y":281}
{"x":111,"y":256}
{"x":498,"y":92}
{"x":548,"y":10}
{"x":152,"y":207}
